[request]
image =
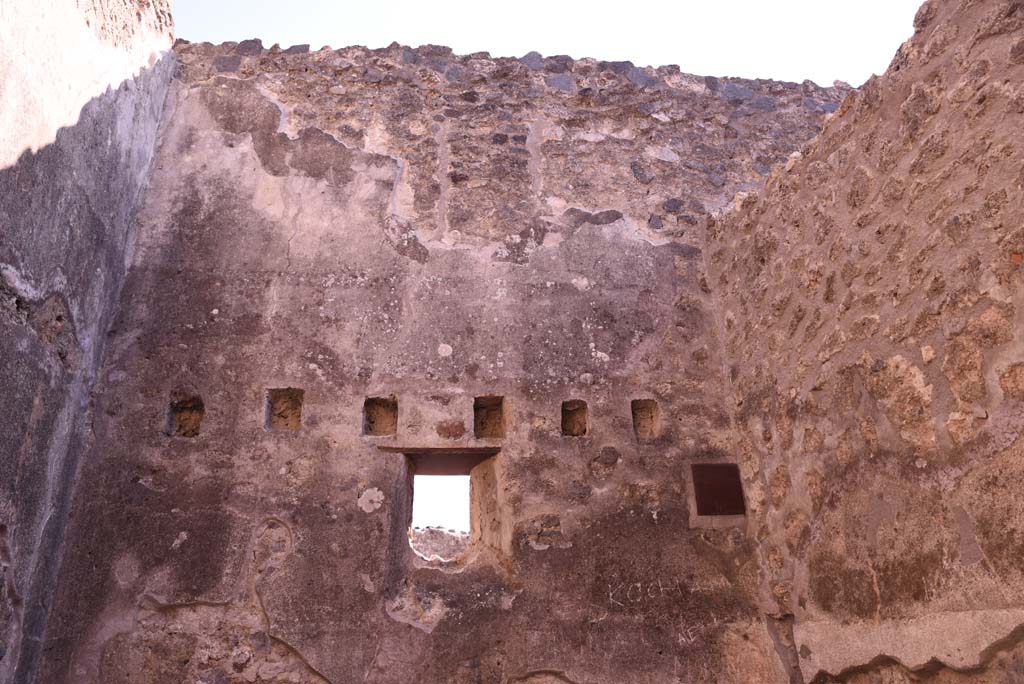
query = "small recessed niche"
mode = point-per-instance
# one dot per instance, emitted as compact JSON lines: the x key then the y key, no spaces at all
{"x":717,"y":489}
{"x":646,"y":418}
{"x":380,"y":416}
{"x":489,"y":417}
{"x":185,"y":415}
{"x":283,"y":412}
{"x":574,"y":418}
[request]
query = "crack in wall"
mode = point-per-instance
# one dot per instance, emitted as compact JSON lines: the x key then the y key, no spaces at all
{"x":543,"y":677}
{"x":780,"y":629}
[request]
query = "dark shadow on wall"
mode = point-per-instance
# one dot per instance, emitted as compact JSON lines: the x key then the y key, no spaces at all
{"x":67,"y":215}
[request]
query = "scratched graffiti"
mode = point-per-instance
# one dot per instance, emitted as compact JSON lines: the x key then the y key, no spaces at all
{"x":692,"y":634}
{"x":623,"y":594}
{"x":693,"y":627}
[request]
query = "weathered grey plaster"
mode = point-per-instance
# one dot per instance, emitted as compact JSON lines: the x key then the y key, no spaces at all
{"x":82,"y":99}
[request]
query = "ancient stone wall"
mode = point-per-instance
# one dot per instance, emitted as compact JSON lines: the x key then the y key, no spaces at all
{"x":82,"y":87}
{"x":871,"y":305}
{"x":354,"y":266}
{"x":344,"y":258}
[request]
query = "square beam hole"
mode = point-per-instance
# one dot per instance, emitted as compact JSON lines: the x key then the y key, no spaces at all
{"x":646,"y":418}
{"x":574,"y":418}
{"x":380,"y":416}
{"x":717,"y":489}
{"x":283,"y":409}
{"x":185,"y":415}
{"x":489,"y":417}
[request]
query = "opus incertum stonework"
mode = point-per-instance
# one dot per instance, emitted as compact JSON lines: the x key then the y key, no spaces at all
{"x":734,"y":367}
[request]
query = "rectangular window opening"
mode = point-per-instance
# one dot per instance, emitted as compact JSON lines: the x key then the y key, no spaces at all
{"x":646,"y":418}
{"x":283,"y":412}
{"x":185,"y":415}
{"x":380,"y":416}
{"x":718,"y":489}
{"x":574,"y":418}
{"x":454,"y":503}
{"x":488,"y":417}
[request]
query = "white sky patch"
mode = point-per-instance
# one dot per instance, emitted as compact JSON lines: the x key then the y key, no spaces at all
{"x":441,"y":501}
{"x":787,"y":40}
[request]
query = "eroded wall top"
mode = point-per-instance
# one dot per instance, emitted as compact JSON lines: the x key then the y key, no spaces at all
{"x":658,"y":146}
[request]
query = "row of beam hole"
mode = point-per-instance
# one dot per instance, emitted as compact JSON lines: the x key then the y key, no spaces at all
{"x":283,"y":413}
{"x":717,"y":486}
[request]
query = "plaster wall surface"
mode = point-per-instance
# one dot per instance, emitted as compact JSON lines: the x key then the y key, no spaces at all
{"x":414,"y":225}
{"x":870,"y":301}
{"x":82,"y":85}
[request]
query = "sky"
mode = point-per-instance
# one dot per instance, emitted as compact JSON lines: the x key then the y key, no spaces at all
{"x":788,"y":40}
{"x":441,"y":501}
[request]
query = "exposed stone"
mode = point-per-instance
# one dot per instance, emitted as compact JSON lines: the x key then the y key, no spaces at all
{"x":1012,"y":381}
{"x":736,"y":91}
{"x":963,"y":367}
{"x":253,"y":46}
{"x":860,"y":266}
{"x":533,"y":60}
{"x":641,"y":172}
{"x":563,"y":82}
{"x":227,"y":63}
{"x":1017,"y":52}
{"x":640,"y":78}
